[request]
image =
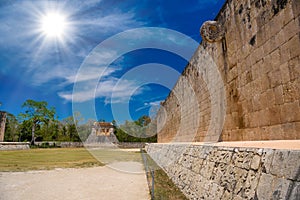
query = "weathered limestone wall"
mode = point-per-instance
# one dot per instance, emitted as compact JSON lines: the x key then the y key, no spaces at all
{"x":258,"y":60}
{"x":207,"y":172}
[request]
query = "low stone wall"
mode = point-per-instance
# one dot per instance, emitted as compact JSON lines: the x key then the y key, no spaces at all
{"x":4,"y":146}
{"x":214,"y":172}
{"x":60,"y":144}
{"x":131,"y":144}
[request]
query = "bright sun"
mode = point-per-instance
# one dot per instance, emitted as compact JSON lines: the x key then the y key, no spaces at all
{"x":53,"y":25}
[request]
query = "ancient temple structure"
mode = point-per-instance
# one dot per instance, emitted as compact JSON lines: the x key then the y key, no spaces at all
{"x":104,"y":128}
{"x":102,"y":133}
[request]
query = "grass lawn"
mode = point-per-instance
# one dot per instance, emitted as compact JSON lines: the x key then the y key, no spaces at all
{"x":107,"y":156}
{"x":44,"y":159}
{"x":164,"y":188}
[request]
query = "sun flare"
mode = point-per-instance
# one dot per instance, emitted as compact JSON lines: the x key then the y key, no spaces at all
{"x":53,"y":25}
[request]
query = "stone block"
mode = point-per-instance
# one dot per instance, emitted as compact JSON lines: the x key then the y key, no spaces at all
{"x":286,"y":164}
{"x":197,"y":165}
{"x":251,"y":185}
{"x":275,"y":25}
{"x":275,"y":132}
{"x":296,"y":8}
{"x":294,"y":68}
{"x":294,"y":191}
{"x":278,"y":95}
{"x":264,"y":117}
{"x":228,"y":180}
{"x":265,"y":82}
{"x":287,"y":15}
{"x":294,"y":46}
{"x":289,"y":131}
{"x":218,"y":172}
{"x":280,"y":188}
{"x":264,"y":188}
{"x":275,"y":59}
{"x":285,"y":53}
{"x":274,"y":113}
{"x":266,"y":159}
{"x":216,"y":192}
{"x":290,"y":112}
{"x":297,"y":129}
{"x":291,"y":29}
{"x":285,"y":73}
{"x":255,"y":163}
{"x":275,"y":77}
{"x":207,"y":169}
{"x":240,"y":177}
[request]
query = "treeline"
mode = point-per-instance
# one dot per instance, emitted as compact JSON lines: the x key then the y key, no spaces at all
{"x":140,"y":130}
{"x":38,"y":122}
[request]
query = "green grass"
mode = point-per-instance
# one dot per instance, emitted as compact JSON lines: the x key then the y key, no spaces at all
{"x":116,"y":155}
{"x":45,"y":159}
{"x":164,"y":188}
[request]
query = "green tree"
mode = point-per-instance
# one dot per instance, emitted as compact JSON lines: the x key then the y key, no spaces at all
{"x":141,"y":130}
{"x":84,"y":130}
{"x":11,"y":128}
{"x":25,"y":131}
{"x":143,"y":121}
{"x":36,"y":113}
{"x":71,"y":123}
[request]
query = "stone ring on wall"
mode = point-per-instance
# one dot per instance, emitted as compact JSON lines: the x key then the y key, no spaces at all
{"x":212,"y":31}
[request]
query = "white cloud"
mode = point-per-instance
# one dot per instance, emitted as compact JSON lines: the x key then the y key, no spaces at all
{"x":105,"y":89}
{"x":90,"y":73}
{"x":113,"y":22}
{"x":150,"y":104}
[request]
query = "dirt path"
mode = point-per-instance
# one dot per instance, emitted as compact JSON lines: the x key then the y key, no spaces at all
{"x":72,"y":184}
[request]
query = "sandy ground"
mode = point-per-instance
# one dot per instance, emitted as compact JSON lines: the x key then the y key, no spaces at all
{"x":72,"y":184}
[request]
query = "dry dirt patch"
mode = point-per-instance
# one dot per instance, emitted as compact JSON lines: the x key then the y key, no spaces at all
{"x":85,"y":183}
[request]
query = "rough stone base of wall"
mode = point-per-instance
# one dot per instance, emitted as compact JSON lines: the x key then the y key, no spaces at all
{"x":207,"y":172}
{"x":4,"y":146}
{"x":131,"y":144}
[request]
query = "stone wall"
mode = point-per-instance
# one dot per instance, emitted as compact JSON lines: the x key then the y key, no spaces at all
{"x":258,"y":61}
{"x":4,"y":146}
{"x":131,"y":145}
{"x":59,"y":144}
{"x":207,"y":172}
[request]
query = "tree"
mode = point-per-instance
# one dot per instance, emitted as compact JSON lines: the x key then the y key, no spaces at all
{"x":11,"y":130}
{"x":71,"y":123}
{"x":143,"y":121}
{"x":36,"y":112}
{"x":141,"y":130}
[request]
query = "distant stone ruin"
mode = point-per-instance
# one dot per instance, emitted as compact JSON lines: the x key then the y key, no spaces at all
{"x":2,"y":125}
{"x":102,"y":133}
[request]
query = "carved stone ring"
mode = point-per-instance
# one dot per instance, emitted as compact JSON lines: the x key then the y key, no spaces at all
{"x":212,"y":31}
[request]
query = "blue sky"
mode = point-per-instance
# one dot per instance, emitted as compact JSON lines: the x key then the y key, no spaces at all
{"x":35,"y":66}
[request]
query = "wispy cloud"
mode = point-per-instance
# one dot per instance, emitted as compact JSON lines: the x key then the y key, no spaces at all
{"x":150,"y":104}
{"x":113,"y":22}
{"x":104,"y":90}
